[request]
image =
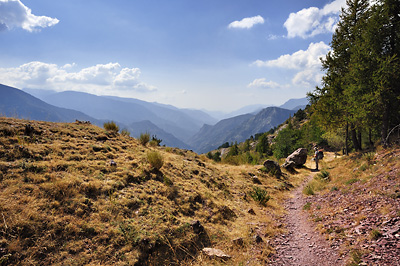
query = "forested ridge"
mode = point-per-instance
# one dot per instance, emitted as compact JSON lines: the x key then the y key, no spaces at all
{"x":360,"y":91}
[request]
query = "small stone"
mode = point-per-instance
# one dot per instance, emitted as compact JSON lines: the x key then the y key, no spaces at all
{"x":238,"y":241}
{"x":258,"y":239}
{"x":198,"y":228}
{"x":251,"y":211}
{"x":215,"y":253}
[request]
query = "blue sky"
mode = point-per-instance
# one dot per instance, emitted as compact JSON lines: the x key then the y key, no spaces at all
{"x":211,"y":54}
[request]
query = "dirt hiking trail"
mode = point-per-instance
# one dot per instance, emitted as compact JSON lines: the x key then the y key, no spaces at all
{"x":302,"y":244}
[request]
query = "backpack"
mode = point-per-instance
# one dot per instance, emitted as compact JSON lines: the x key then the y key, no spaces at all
{"x":320,"y":155}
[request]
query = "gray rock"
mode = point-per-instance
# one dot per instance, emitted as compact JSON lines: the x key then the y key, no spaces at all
{"x":289,"y":165}
{"x":272,"y":167}
{"x":298,"y":158}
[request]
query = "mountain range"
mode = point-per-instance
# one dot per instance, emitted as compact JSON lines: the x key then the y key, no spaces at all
{"x":183,"y":128}
{"x":16,"y":103}
{"x":238,"y":128}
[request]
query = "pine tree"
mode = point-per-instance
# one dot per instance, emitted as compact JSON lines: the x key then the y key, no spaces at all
{"x":336,"y":102}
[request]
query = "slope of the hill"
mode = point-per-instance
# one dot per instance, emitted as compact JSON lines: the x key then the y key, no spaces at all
{"x":238,"y":128}
{"x":356,"y":205}
{"x":74,"y":194}
{"x":16,"y":103}
{"x":168,"y":139}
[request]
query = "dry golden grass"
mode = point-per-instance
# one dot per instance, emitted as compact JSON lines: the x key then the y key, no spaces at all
{"x":74,"y":194}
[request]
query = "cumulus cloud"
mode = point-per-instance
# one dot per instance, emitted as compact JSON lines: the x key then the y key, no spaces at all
{"x":98,"y":79}
{"x":14,"y":14}
{"x":300,"y":59}
{"x":263,"y":83}
{"x":247,"y":23}
{"x":312,"y":21}
{"x":307,"y":63}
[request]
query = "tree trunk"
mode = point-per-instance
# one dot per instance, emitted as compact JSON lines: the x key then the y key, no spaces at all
{"x":347,"y":139}
{"x":354,"y":138}
{"x":385,"y":126}
{"x":370,"y":138}
{"x":359,"y":139}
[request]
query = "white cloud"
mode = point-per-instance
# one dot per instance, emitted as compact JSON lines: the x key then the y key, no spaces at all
{"x":263,"y":83}
{"x":247,"y":23}
{"x":307,"y":64}
{"x":312,"y":21}
{"x":99,"y":79}
{"x":300,"y":59}
{"x":14,"y":14}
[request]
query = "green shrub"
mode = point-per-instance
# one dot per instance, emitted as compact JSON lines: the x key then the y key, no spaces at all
{"x":375,"y":234}
{"x":126,"y":133}
{"x":369,"y":157}
{"x":111,"y":126}
{"x":144,"y":138}
{"x":308,"y":190}
{"x":351,"y":181}
{"x":260,"y":195}
{"x":155,"y":160}
{"x":307,"y":206}
{"x":323,"y":175}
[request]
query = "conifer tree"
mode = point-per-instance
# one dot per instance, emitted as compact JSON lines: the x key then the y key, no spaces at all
{"x":349,"y":93}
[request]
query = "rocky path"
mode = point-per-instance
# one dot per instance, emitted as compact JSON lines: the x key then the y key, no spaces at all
{"x":302,"y":245}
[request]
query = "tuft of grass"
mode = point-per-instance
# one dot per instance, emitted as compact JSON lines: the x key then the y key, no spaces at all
{"x":369,"y":157}
{"x":144,"y":138}
{"x":260,"y":195}
{"x":323,"y":175}
{"x":375,"y":234}
{"x":111,"y":126}
{"x":307,"y":206}
{"x":355,"y":255}
{"x":308,"y":190}
{"x":125,"y":133}
{"x":351,"y":181}
{"x":155,"y":160}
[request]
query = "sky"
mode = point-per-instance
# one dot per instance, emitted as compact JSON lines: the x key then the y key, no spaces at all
{"x":217,"y":55}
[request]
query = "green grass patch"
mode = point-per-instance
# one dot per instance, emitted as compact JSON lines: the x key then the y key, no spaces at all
{"x":260,"y":195}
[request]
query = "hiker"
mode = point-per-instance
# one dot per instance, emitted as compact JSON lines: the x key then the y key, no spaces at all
{"x":318,"y":155}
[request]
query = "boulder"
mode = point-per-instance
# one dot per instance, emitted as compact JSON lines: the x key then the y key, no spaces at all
{"x":289,"y":165}
{"x":272,"y":167}
{"x":215,"y":253}
{"x":298,"y":157}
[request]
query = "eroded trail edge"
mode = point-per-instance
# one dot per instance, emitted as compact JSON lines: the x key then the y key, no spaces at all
{"x":302,"y":244}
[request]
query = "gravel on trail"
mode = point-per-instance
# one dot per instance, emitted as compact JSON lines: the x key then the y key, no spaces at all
{"x":302,"y":244}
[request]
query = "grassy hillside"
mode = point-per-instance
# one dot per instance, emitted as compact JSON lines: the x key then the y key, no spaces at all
{"x":74,"y":194}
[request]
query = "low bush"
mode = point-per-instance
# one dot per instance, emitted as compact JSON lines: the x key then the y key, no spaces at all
{"x":144,"y":138}
{"x":155,"y":160}
{"x":126,"y":133}
{"x":323,"y":175}
{"x":260,"y":195}
{"x":111,"y":126}
{"x":308,"y":190}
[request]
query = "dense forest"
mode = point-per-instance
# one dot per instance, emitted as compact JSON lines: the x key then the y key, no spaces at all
{"x":360,"y":92}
